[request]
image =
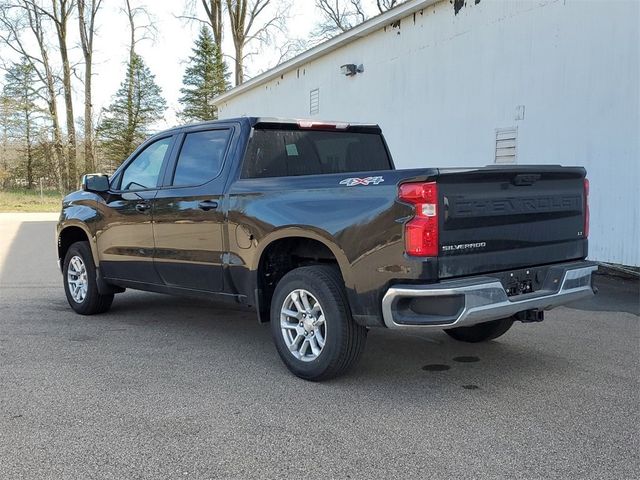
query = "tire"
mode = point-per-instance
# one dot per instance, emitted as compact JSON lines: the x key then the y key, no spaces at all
{"x":91,"y":302}
{"x":482,"y":332}
{"x":342,"y":339}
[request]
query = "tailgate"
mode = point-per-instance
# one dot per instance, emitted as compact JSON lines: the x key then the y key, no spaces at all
{"x":501,"y":218}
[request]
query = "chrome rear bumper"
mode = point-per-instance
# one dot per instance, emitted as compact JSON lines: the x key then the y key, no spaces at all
{"x":475,"y":300}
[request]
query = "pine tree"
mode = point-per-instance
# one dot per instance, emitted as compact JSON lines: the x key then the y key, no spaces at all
{"x":19,"y":87}
{"x":137,"y":104}
{"x":205,"y":77}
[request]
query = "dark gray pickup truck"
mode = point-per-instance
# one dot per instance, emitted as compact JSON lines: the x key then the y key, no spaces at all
{"x":311,"y":225}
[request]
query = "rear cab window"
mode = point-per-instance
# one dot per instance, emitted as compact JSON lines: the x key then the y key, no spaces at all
{"x":291,"y":152}
{"x":201,"y":157}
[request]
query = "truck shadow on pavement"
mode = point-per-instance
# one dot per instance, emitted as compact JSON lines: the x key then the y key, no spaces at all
{"x":232,"y":336}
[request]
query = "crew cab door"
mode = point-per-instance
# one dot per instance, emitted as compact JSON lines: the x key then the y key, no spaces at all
{"x":188,"y":216}
{"x":124,"y":235}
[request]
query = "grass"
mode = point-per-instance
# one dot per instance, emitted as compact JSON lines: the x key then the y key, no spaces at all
{"x":24,"y":200}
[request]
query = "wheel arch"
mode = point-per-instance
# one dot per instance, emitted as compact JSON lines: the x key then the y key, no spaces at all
{"x":286,"y":250}
{"x":72,"y":232}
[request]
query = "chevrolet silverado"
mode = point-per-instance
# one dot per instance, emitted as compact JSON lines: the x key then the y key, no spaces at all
{"x":310,"y":224}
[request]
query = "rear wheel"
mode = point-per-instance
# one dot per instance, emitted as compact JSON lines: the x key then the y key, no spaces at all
{"x":482,"y":332}
{"x":80,"y":283}
{"x":311,"y":324}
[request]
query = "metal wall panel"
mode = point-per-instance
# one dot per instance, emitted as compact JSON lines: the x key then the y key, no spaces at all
{"x":440,"y":84}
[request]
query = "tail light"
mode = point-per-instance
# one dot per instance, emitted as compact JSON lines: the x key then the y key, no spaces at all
{"x":586,"y":207}
{"x":421,"y":232}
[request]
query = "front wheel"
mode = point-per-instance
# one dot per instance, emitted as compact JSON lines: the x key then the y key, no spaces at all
{"x":481,"y":332}
{"x":80,"y":283}
{"x":311,"y":324}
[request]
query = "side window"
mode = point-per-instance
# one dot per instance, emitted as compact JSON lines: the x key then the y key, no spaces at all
{"x":144,"y":170}
{"x":201,"y":156}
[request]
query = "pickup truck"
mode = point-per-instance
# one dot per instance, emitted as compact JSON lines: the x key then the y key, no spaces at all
{"x":310,"y":224}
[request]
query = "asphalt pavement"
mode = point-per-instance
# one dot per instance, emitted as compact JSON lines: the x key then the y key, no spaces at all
{"x":165,"y":387}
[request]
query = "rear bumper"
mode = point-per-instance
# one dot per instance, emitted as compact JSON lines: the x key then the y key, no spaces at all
{"x":475,"y":300}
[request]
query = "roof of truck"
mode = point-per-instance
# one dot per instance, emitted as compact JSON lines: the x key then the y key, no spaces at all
{"x":274,"y":122}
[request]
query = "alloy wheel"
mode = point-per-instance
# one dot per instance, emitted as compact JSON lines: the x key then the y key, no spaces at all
{"x":302,"y":325}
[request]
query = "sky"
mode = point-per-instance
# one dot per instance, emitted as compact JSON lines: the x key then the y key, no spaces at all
{"x":166,"y":54}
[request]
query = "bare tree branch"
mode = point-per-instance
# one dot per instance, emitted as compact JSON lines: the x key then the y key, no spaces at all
{"x":358,"y":11}
{"x":87,"y":27}
{"x":59,"y":15}
{"x":140,"y":20}
{"x":16,"y":18}
{"x":213,"y":9}
{"x":290,"y":49}
{"x":337,"y":16}
{"x":384,"y":5}
{"x":250,"y":23}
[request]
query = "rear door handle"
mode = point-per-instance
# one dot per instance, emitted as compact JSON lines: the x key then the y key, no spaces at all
{"x":208,"y":205}
{"x":143,"y":207}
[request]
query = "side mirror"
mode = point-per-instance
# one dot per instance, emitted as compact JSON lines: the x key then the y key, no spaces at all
{"x":95,"y":182}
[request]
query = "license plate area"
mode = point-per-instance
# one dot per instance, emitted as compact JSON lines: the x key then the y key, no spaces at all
{"x":523,"y":281}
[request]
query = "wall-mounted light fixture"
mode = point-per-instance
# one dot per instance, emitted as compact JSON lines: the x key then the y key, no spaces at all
{"x":350,"y":69}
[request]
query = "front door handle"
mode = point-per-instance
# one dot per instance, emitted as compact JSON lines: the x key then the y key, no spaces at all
{"x":143,"y":207}
{"x":207,"y":205}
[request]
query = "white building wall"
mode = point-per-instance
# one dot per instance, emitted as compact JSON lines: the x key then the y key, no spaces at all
{"x":441,"y":84}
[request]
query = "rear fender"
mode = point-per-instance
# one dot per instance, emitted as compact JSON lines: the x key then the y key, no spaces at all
{"x":312,"y":234}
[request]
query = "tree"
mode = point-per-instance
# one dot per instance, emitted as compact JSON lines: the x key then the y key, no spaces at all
{"x":384,"y":5}
{"x":61,"y":11}
{"x":246,"y":26}
{"x":8,"y":108}
{"x":19,"y":86}
{"x":15,"y":18}
{"x":252,"y":23}
{"x":137,"y":104}
{"x":87,"y":27}
{"x":337,"y":17}
{"x":213,"y":9}
{"x":205,"y":77}
{"x":59,"y":14}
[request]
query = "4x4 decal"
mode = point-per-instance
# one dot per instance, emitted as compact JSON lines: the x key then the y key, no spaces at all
{"x":351,"y":182}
